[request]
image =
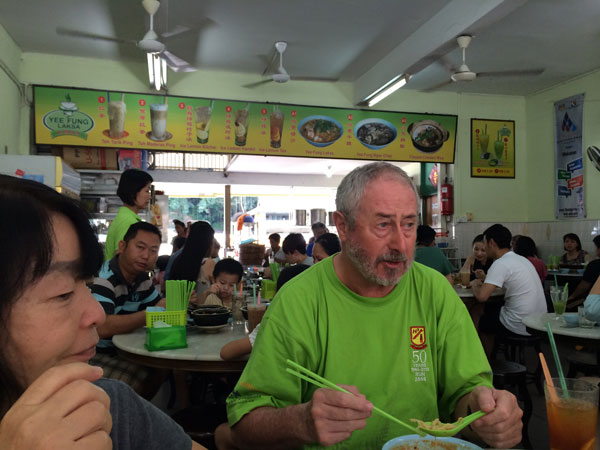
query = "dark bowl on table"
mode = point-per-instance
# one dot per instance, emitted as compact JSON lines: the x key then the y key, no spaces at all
{"x":210,"y":315}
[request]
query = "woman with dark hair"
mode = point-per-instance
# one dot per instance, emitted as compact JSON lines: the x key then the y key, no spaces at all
{"x":525,"y":246}
{"x":574,"y":254}
{"x":50,"y":397}
{"x":134,"y":192}
{"x":194,"y":262}
{"x":478,"y":262}
{"x":325,"y":245}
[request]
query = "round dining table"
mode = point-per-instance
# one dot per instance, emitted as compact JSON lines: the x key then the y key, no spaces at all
{"x":201,"y":354}
{"x":467,"y":294}
{"x":536,"y":325}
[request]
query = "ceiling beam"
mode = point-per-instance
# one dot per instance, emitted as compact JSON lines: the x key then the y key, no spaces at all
{"x":436,"y":36}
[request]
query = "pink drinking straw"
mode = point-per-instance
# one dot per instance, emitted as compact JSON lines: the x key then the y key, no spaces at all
{"x":258,"y":299}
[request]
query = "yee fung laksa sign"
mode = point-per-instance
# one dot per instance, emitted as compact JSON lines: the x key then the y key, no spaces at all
{"x":84,"y":117}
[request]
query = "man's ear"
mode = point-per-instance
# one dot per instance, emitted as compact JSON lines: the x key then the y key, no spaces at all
{"x":122,"y":245}
{"x":341,"y":224}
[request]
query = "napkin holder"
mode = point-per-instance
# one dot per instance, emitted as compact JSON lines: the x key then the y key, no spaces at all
{"x":166,"y":338}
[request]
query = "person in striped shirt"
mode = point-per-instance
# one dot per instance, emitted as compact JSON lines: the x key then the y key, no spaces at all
{"x":124,"y":289}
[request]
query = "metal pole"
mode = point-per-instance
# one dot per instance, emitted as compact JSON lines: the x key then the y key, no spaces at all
{"x":227,"y":218}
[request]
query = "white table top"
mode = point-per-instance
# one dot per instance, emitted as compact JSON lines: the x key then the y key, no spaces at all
{"x":558,"y":273}
{"x":538,"y":322}
{"x":468,"y":292}
{"x":202,"y":346}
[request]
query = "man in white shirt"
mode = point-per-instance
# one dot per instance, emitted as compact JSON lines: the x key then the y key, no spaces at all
{"x":524,"y":293}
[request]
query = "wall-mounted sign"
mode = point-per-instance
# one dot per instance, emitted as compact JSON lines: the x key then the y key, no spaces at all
{"x":568,"y":158}
{"x":83,"y":117}
{"x":492,"y":148}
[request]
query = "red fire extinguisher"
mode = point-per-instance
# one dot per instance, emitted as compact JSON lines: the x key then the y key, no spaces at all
{"x":447,"y":203}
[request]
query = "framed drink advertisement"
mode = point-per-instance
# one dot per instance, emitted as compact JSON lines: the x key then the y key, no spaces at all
{"x":492,"y":148}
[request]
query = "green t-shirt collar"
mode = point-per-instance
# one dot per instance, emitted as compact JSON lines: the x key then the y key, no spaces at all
{"x":353,"y":296}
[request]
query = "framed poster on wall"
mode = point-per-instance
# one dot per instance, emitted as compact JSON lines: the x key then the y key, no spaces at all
{"x":492,"y":148}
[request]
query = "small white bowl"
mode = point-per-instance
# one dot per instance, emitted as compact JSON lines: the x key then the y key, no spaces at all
{"x":415,"y":441}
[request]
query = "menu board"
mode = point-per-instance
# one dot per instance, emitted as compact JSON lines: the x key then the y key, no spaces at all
{"x":84,"y":117}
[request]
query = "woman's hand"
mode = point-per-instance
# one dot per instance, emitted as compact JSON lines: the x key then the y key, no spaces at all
{"x":479,"y":274}
{"x":62,"y":409}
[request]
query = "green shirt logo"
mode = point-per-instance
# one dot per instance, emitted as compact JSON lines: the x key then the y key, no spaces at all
{"x":68,"y":121}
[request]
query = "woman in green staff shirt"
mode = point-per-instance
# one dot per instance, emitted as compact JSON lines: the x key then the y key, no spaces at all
{"x":134,"y":192}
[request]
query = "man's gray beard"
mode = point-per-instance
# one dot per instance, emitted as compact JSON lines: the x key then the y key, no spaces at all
{"x":359,"y":259}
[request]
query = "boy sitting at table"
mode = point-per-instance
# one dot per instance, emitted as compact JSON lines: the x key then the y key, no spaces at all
{"x":227,"y":274}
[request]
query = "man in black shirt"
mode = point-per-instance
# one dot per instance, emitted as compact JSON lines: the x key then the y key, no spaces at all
{"x":590,"y":275}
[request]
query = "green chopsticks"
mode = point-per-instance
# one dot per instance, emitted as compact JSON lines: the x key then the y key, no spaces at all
{"x":178,"y":294}
{"x":319,"y":381}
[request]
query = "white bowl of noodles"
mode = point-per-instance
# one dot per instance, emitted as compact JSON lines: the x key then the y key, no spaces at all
{"x":415,"y":442}
{"x":320,"y":131}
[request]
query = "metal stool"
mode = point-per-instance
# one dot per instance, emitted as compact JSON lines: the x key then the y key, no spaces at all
{"x":513,"y":349}
{"x":509,"y":374}
{"x":587,"y":363}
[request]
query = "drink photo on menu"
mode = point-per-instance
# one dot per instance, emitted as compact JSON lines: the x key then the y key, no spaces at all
{"x":158,"y":120}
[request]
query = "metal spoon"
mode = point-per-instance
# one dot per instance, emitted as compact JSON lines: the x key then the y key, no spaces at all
{"x":457,"y":426}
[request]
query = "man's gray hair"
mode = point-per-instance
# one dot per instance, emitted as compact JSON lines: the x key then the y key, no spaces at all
{"x":352,"y":187}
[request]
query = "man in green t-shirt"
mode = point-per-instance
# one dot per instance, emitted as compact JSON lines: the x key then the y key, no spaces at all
{"x":429,"y":255}
{"x":393,"y":333}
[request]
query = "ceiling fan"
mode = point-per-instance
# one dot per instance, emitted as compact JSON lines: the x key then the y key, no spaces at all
{"x":463,"y":73}
{"x":149,"y":43}
{"x":281,"y":75}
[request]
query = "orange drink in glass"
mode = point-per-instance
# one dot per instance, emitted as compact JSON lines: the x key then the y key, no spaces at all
{"x":572,"y":418}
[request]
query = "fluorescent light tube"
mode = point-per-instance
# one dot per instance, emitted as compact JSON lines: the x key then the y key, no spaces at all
{"x":163,"y":74}
{"x":391,"y":86}
{"x":150,"y":69}
{"x":157,"y":74}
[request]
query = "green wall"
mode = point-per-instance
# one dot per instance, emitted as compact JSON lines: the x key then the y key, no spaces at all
{"x":14,"y":110}
{"x":527,"y":197}
{"x":540,"y":145}
{"x":488,"y":199}
{"x":473,"y":195}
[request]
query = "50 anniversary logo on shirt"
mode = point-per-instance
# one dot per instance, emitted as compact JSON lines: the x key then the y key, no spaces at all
{"x":417,"y":338}
{"x":418,"y":343}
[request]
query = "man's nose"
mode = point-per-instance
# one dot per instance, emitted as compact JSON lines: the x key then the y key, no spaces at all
{"x":399,"y":240}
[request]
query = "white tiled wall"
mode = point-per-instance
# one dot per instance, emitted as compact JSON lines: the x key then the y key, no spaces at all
{"x":548,"y":236}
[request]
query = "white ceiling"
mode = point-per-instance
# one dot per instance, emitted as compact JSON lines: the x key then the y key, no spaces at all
{"x":363,"y":42}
